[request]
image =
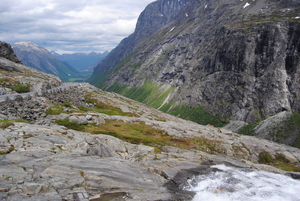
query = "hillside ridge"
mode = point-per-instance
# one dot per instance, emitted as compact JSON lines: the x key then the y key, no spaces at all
{"x":233,"y":60}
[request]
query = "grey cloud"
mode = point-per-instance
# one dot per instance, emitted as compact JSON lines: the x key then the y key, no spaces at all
{"x":69,"y":26}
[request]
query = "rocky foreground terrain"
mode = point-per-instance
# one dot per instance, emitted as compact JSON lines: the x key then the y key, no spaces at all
{"x":43,"y":160}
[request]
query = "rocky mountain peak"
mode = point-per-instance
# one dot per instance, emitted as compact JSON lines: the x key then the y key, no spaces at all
{"x":155,"y":16}
{"x":30,"y":45}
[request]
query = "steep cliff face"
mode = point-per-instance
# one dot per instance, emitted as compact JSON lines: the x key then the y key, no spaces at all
{"x":236,"y":59}
{"x":154,"y":17}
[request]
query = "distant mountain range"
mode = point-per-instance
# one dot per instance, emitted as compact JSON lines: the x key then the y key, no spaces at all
{"x":41,"y":59}
{"x":82,"y":61}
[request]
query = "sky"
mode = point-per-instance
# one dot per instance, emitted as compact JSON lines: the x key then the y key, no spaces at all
{"x":69,"y":26}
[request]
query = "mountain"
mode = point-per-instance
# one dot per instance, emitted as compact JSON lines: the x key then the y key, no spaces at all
{"x":82,"y":61}
{"x":212,"y":62}
{"x":39,"y":58}
{"x":155,"y":16}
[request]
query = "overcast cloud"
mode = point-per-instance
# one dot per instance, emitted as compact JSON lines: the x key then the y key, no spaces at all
{"x":68,"y":26}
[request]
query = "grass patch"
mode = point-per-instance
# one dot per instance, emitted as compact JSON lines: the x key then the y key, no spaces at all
{"x":196,"y":114}
{"x":66,"y":104}
{"x":249,"y":128}
{"x":207,"y":145}
{"x":81,"y":173}
{"x":57,"y":109}
{"x":265,"y":157}
{"x":5,"y":124}
{"x":136,"y":133}
{"x":3,"y":152}
{"x":8,"y":82}
{"x":103,"y":107}
{"x":140,"y":133}
{"x":70,"y":124}
{"x":293,"y":125}
{"x":279,"y":161}
{"x":279,"y":132}
{"x":10,"y":149}
{"x":19,"y":88}
{"x":19,"y":120}
{"x":84,"y":109}
{"x":154,"y":96}
{"x":54,"y":111}
{"x":122,"y":63}
{"x":150,"y":94}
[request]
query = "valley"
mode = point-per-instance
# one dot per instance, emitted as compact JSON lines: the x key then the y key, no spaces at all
{"x":200,"y":102}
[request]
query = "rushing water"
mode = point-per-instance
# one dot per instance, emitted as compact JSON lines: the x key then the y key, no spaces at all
{"x":233,"y":184}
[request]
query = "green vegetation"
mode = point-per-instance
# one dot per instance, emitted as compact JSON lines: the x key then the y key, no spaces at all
{"x":279,"y":161}
{"x":54,"y":111}
{"x":8,"y":82}
{"x":122,"y":63}
{"x":249,"y":128}
{"x":5,"y":124}
{"x":265,"y":157}
{"x":140,"y":133}
{"x":293,"y":126}
{"x":102,"y":107}
{"x":207,"y":145}
{"x":81,"y":173}
{"x":150,"y":94}
{"x":99,"y":106}
{"x":196,"y":114}
{"x":19,"y":120}
{"x":19,"y":88}
{"x":9,"y":178}
{"x":279,"y":132}
{"x":14,"y":85}
{"x":98,"y":78}
{"x":67,"y":104}
{"x":10,"y":149}
{"x":70,"y":124}
{"x":154,"y":96}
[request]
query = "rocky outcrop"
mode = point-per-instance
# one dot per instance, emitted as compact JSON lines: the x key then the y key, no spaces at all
{"x":32,"y":107}
{"x":28,"y":108}
{"x":25,"y":75}
{"x":282,"y":128}
{"x":7,"y":52}
{"x":236,"y":59}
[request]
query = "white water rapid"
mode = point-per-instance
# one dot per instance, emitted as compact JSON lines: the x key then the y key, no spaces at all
{"x":233,"y":184}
